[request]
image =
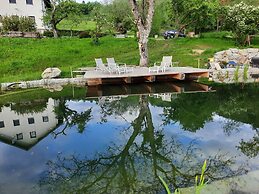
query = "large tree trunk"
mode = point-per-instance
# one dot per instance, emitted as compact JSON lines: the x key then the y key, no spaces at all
{"x":143,"y":51}
{"x":143,"y":23}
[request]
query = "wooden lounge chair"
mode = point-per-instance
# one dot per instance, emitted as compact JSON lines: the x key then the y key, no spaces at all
{"x":165,"y":65}
{"x":122,"y":66}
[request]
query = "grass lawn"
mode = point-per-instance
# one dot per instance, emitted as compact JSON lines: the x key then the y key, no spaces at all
{"x":81,"y":26}
{"x":25,"y":59}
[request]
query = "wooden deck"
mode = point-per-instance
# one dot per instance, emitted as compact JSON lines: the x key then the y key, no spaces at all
{"x":142,"y":74}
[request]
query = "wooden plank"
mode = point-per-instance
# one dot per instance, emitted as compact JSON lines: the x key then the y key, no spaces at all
{"x":94,"y":82}
{"x":195,"y":76}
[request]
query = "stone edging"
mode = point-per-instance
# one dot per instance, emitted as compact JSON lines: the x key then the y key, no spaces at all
{"x":45,"y":83}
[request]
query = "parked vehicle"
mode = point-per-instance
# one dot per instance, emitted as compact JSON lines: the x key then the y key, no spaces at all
{"x":173,"y":33}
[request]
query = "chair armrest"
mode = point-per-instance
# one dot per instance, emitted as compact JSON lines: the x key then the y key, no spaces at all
{"x":155,"y":64}
{"x":122,"y":64}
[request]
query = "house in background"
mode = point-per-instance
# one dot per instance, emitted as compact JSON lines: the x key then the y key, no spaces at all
{"x":29,"y":8}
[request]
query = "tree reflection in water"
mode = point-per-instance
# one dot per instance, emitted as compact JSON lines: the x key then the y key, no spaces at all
{"x":134,"y":167}
{"x":71,"y":118}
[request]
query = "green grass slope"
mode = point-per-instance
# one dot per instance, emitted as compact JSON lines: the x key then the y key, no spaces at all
{"x":25,"y":59}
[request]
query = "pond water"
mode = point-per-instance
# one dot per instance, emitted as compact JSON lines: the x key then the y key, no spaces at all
{"x":119,"y":139}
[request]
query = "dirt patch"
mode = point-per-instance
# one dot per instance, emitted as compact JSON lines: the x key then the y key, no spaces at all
{"x":197,"y":51}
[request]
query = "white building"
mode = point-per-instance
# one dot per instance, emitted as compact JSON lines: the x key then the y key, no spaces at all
{"x":30,"y":8}
{"x":25,"y":130}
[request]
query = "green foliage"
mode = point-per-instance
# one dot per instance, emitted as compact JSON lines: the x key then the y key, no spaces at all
{"x":118,"y":16}
{"x":160,"y":18}
{"x":199,"y":181}
{"x":27,"y":24}
{"x":217,"y":34}
{"x":25,"y":59}
{"x":242,"y":20}
{"x":16,"y":23}
{"x":165,"y":185}
{"x":85,"y":34}
{"x":99,"y":20}
{"x":86,"y":8}
{"x":236,"y":74}
{"x":48,"y":33}
{"x":196,"y":15}
{"x":245,"y":73}
{"x":60,"y":10}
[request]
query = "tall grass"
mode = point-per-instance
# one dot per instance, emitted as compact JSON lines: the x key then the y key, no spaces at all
{"x":199,"y":182}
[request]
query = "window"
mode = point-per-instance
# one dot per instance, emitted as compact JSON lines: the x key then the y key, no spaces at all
{"x":12,"y":1}
{"x":1,"y":124}
{"x":16,"y":122}
{"x":19,"y":136}
{"x":29,"y":2}
{"x":45,"y":119}
{"x":33,"y":134}
{"x":31,"y":120}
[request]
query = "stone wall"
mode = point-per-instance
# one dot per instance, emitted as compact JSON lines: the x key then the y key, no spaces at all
{"x":240,"y":56}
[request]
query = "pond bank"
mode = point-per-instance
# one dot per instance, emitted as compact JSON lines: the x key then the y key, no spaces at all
{"x":51,"y":84}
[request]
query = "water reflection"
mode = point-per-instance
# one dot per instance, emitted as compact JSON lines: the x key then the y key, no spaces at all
{"x":24,"y":127}
{"x":121,"y":143}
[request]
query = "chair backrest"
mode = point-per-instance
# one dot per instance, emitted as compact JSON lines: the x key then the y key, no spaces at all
{"x":215,"y":65}
{"x":167,"y":61}
{"x":110,"y":61}
{"x":99,"y":63}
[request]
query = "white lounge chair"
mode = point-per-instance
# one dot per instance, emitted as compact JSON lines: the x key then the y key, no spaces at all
{"x":215,"y":66}
{"x":165,"y":65}
{"x":100,"y":66}
{"x":123,"y":68}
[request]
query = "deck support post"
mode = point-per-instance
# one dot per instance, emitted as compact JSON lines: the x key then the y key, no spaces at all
{"x":127,"y":80}
{"x":151,"y":78}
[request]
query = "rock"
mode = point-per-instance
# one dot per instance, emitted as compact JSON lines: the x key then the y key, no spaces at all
{"x":54,"y":88}
{"x":51,"y":73}
{"x":242,"y":56}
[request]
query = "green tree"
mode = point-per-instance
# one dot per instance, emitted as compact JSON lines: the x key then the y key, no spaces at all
{"x":58,"y":11}
{"x":243,"y":21}
{"x":99,"y":19}
{"x":197,"y":15}
{"x":86,"y":8}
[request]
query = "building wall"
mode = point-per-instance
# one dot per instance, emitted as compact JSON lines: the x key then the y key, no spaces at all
{"x":20,"y":8}
{"x":39,"y":128}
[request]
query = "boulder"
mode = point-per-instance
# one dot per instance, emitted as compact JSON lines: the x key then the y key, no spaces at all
{"x":51,"y":73}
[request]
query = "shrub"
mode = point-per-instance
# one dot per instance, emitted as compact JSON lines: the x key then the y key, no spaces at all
{"x":48,"y":33}
{"x":27,"y":24}
{"x":220,"y":34}
{"x":16,"y":23}
{"x":85,"y":34}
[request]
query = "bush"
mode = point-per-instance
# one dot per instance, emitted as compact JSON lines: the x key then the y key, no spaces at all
{"x":220,"y":34}
{"x":68,"y":32}
{"x":16,"y":23}
{"x":48,"y":33}
{"x":85,"y":34}
{"x":27,"y":24}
